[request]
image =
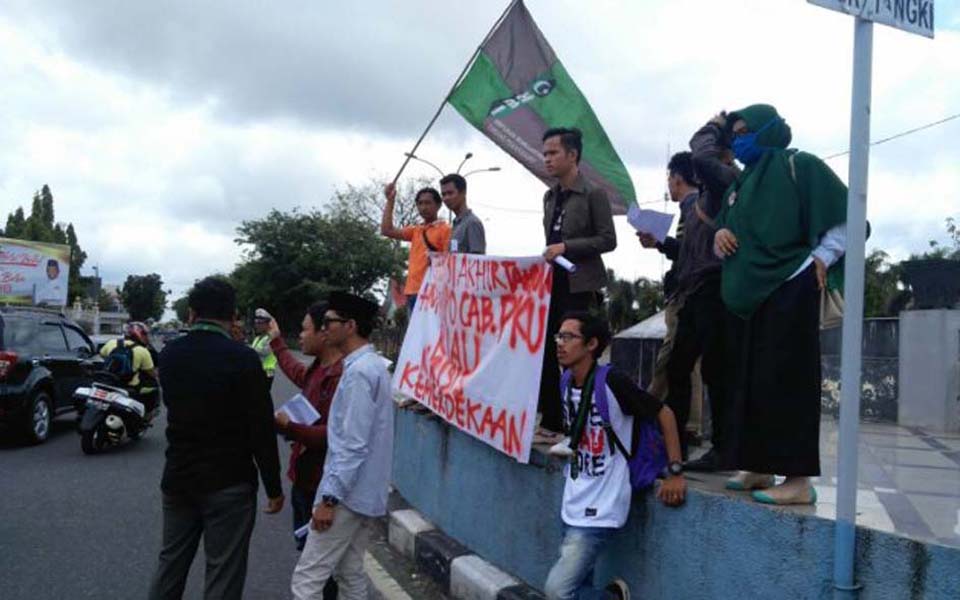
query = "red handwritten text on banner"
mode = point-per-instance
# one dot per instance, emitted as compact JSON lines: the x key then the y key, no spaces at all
{"x":474,"y":347}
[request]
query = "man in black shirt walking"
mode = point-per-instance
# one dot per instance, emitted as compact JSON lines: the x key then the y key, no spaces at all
{"x":219,"y":423}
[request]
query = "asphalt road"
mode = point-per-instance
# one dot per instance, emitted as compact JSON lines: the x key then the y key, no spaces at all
{"x":76,"y":526}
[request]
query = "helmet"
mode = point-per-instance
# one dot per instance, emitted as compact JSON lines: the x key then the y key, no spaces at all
{"x":138,"y":332}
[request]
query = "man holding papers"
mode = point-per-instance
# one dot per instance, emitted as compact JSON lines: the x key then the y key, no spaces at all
{"x":578,"y":226}
{"x":682,"y":187}
{"x":308,"y":433}
{"x":356,"y":473}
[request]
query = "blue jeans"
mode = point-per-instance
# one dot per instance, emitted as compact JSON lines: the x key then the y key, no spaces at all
{"x":571,"y":578}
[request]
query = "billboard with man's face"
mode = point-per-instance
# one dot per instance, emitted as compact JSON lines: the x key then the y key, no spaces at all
{"x":33,"y":272}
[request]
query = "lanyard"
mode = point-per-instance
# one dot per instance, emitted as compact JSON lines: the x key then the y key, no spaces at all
{"x":583,"y":412}
{"x":211,"y":327}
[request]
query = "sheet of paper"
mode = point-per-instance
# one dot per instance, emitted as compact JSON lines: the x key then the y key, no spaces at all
{"x":300,"y":410}
{"x":650,"y":221}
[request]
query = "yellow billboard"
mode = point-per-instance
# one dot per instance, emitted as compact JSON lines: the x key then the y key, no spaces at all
{"x":33,"y":272}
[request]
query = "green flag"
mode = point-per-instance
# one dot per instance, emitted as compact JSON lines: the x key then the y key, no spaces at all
{"x":517,"y":89}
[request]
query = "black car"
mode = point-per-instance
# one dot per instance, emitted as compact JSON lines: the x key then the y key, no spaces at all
{"x":44,"y":357}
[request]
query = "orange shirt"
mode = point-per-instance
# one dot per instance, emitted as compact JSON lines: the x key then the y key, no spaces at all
{"x":438,"y":233}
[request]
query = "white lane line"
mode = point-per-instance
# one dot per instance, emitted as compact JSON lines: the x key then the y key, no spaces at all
{"x":385,"y":585}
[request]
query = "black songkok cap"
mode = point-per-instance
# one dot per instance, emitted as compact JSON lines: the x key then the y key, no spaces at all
{"x":350,"y":305}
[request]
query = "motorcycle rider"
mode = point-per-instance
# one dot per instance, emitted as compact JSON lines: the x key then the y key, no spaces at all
{"x":143,"y":381}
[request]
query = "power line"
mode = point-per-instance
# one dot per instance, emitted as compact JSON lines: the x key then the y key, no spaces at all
{"x":901,"y":134}
{"x":507,"y":209}
{"x":836,"y":155}
{"x":538,"y":212}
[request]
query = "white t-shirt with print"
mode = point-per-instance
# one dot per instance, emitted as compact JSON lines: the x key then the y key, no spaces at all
{"x":600,"y":495}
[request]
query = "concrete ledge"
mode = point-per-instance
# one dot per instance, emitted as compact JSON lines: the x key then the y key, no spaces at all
{"x":463,"y":575}
{"x":715,"y":546}
{"x":520,"y":592}
{"x":435,"y":553}
{"x":472,"y":578}
{"x":403,"y":529}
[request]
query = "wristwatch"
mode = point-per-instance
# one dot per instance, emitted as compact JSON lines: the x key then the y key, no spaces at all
{"x":329,"y":501}
{"x":675,"y":468}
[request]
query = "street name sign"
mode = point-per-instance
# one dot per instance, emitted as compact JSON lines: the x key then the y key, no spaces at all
{"x":915,"y":16}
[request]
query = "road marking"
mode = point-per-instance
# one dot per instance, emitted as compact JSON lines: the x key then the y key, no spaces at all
{"x":385,"y":585}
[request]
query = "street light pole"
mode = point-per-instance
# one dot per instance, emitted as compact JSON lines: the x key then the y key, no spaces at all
{"x":425,"y":161}
{"x":487,"y":170}
{"x":468,"y":156}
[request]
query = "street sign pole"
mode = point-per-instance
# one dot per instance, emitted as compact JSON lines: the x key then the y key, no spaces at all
{"x":845,"y":585}
{"x":917,"y":18}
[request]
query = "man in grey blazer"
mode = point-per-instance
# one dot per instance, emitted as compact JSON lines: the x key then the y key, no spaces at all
{"x":578,"y":225}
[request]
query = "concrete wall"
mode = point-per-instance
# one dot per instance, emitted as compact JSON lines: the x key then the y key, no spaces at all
{"x":713,"y":547}
{"x":930,"y":369}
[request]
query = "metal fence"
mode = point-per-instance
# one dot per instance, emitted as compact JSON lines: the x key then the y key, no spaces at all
{"x":881,"y":369}
{"x":881,"y":366}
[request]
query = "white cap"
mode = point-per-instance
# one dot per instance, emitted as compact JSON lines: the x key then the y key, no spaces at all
{"x":261,"y":313}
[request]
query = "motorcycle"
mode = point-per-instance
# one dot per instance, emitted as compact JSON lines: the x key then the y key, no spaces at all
{"x":107,"y":415}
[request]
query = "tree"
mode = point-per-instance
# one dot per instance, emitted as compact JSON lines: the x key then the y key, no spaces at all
{"x":629,"y":302}
{"x":294,"y":258}
{"x":16,"y":224}
{"x":144,"y":297}
{"x":77,"y":258}
{"x":365,"y":202}
{"x":882,"y":293}
{"x":951,"y":250}
{"x":182,"y":308}
{"x":650,"y":298}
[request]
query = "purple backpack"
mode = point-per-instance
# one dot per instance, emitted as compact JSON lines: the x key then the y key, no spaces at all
{"x":649,"y":457}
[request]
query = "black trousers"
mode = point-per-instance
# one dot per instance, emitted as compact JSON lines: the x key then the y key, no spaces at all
{"x":776,"y":393}
{"x":701,"y":324}
{"x":561,"y":302}
{"x":302,"y":503}
{"x":225,"y":520}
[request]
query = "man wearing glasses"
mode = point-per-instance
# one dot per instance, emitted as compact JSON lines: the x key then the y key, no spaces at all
{"x":318,"y":382}
{"x":597,"y":488}
{"x":356,"y":472}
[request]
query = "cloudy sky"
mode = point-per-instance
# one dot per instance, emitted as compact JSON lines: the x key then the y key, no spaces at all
{"x":161,"y":125}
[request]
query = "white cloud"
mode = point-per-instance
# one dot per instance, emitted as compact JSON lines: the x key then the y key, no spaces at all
{"x":156,"y":155}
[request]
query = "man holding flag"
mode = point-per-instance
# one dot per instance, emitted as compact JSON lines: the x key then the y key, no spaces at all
{"x":514,"y":90}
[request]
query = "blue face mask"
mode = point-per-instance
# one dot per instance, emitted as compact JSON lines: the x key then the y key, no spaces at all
{"x":746,"y":148}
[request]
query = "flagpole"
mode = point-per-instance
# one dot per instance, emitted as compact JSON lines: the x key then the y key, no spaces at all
{"x":453,"y":87}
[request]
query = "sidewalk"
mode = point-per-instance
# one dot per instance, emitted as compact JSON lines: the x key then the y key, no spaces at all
{"x":908,"y":481}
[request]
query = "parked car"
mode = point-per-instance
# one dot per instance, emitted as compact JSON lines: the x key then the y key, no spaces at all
{"x":100,"y":340}
{"x":44,"y":357}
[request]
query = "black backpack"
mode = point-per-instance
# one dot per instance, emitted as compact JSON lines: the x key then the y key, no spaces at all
{"x":119,"y":362}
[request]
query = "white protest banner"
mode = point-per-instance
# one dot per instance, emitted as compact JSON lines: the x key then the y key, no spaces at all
{"x":33,"y":272}
{"x":474,"y":346}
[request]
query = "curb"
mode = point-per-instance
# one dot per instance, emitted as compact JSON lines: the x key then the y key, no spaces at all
{"x":462,"y":574}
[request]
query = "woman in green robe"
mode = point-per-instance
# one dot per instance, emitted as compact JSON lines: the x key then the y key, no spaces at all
{"x":781,"y":237}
